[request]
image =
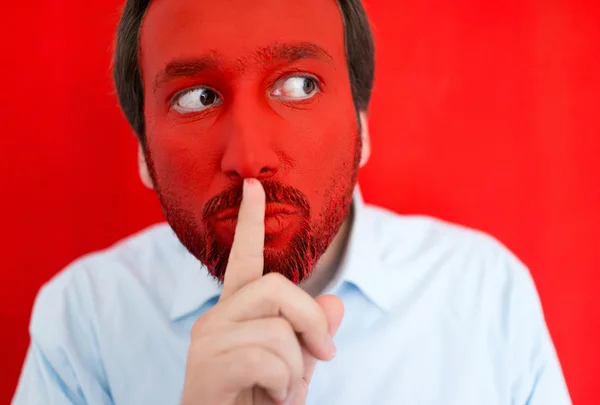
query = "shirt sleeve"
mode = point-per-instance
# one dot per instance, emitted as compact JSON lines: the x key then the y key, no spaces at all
{"x":62,"y":365}
{"x":538,"y":378}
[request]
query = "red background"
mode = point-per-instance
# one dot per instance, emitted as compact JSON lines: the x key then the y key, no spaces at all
{"x":484,"y":112}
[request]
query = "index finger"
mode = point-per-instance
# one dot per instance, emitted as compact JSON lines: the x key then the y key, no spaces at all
{"x":246,"y":260}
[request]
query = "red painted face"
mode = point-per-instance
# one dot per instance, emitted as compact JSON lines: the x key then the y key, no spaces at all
{"x":236,"y":89}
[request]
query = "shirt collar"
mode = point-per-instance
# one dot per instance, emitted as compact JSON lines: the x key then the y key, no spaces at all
{"x":195,"y":287}
{"x":361,"y":263}
{"x":360,"y":266}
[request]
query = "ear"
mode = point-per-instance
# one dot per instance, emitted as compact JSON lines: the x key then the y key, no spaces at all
{"x":143,"y":168}
{"x":366,"y":140}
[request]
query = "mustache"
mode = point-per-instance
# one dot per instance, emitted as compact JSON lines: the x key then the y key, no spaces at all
{"x":275,"y":192}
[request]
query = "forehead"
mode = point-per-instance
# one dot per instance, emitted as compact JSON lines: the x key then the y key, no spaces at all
{"x":187,"y":28}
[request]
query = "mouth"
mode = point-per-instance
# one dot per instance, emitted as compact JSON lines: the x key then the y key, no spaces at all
{"x":271,"y":210}
{"x":280,"y":220}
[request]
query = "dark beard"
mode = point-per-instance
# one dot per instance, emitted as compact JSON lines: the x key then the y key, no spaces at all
{"x":298,"y":259}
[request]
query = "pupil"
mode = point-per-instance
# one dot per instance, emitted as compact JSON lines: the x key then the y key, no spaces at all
{"x":207,"y":97}
{"x":308,"y":86}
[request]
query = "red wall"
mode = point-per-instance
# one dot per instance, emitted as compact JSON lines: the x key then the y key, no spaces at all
{"x":484,"y":112}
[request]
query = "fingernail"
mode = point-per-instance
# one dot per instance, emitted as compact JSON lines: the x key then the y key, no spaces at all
{"x":246,"y":184}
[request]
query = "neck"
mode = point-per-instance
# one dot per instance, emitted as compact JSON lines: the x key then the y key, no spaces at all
{"x":328,"y":265}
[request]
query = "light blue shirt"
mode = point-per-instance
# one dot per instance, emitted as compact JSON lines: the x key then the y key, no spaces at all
{"x":435,"y":314}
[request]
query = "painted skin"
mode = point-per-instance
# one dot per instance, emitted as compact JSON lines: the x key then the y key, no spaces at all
{"x":237,"y":89}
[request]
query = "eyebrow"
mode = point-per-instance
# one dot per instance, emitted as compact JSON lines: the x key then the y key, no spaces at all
{"x":275,"y":52}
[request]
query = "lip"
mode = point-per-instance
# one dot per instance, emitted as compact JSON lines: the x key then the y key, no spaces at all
{"x":271,"y":209}
{"x":277,"y":222}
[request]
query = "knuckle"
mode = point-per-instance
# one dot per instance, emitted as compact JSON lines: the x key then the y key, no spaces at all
{"x":204,"y":324}
{"x":279,"y":328}
{"x":235,"y":257}
{"x":198,"y":328}
{"x":269,"y":288}
{"x":275,"y":279}
{"x":251,"y":361}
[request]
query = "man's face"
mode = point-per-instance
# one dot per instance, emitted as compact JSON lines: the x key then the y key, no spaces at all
{"x":236,"y":89}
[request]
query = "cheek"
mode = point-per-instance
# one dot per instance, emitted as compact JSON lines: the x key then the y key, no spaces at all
{"x":325,"y":140}
{"x":325,"y":155}
{"x":181,"y":165}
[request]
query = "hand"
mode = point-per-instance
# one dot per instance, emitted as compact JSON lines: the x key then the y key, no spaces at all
{"x":260,"y":343}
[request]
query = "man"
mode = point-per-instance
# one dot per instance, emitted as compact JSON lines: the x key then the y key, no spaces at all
{"x":252,"y":122}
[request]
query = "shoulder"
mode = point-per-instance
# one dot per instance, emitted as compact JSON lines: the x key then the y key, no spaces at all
{"x":143,"y":261}
{"x":470,"y":289}
{"x":467,"y":271}
{"x":423,"y":239}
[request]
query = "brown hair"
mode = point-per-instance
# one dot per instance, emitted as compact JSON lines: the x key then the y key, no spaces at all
{"x":128,"y":81}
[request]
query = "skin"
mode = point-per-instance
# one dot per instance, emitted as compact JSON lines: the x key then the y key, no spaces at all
{"x":277,"y":107}
{"x":227,"y":105}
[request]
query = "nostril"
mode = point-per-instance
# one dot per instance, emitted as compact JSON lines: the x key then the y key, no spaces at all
{"x":265,"y":170}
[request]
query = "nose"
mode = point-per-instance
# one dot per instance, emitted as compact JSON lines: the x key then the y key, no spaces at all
{"x":249,"y":150}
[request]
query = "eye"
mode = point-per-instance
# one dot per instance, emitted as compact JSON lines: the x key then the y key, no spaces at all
{"x":195,"y":100}
{"x":295,"y":88}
